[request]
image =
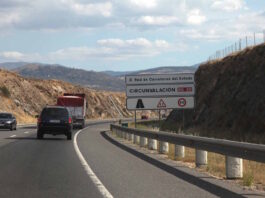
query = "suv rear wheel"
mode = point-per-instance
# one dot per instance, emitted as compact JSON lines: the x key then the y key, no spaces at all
{"x":39,"y":135}
{"x":69,"y":136}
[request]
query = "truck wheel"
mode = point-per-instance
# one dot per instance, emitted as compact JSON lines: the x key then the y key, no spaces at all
{"x":69,"y":136}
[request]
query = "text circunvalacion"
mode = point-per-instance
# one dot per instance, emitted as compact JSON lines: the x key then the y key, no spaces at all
{"x":152,"y":90}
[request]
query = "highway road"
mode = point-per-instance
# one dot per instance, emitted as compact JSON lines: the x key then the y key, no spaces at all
{"x":53,"y":167}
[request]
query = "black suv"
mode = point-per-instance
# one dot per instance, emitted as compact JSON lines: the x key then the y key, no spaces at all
{"x":55,"y":120}
{"x":8,"y":121}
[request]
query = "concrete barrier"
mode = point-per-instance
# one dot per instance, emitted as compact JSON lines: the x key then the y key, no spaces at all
{"x":123,"y":135}
{"x":201,"y":158}
{"x":234,"y":167}
{"x":143,"y":141}
{"x":136,"y":139}
{"x":152,"y":144}
{"x":130,"y":137}
{"x":179,"y":151}
{"x":163,"y":147}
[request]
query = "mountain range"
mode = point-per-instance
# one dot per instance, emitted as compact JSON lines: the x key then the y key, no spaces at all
{"x":106,"y":80}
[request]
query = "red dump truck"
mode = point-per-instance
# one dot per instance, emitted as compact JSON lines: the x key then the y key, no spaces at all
{"x":76,"y":104}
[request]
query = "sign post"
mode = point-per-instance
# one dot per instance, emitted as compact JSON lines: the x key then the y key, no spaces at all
{"x":135,"y":119}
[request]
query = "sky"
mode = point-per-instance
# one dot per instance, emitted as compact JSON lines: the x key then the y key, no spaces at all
{"x":124,"y":35}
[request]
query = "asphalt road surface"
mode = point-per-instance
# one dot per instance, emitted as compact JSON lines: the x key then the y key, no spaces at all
{"x":52,"y":167}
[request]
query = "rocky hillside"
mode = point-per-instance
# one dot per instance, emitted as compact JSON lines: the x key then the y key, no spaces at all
{"x":230,"y":100}
{"x":26,"y":97}
{"x":155,"y":70}
{"x":95,"y":80}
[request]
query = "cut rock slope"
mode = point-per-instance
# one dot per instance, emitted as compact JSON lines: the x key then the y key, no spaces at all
{"x":28,"y":96}
{"x":230,"y":98}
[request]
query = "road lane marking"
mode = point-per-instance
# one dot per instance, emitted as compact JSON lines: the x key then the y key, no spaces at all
{"x":102,"y":189}
{"x":26,"y":132}
{"x":13,"y":136}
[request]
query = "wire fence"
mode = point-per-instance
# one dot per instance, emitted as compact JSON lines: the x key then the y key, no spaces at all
{"x":248,"y":41}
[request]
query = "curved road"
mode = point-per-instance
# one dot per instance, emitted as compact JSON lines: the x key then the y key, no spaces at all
{"x":52,"y":168}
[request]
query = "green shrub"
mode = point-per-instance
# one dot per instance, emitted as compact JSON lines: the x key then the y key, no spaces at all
{"x":5,"y":91}
{"x":248,"y":179}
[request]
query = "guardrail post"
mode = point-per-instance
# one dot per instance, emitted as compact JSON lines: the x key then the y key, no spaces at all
{"x":117,"y":132}
{"x":201,"y":158}
{"x":143,"y":141}
{"x":234,"y":167}
{"x":152,"y":144}
{"x":123,"y":135}
{"x":179,"y":151}
{"x":114,"y":131}
{"x":130,"y":136}
{"x":136,"y":139}
{"x":163,"y":147}
{"x":120,"y":134}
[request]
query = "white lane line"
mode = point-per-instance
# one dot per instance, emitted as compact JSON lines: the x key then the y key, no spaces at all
{"x":102,"y":189}
{"x":26,"y":132}
{"x":13,"y":136}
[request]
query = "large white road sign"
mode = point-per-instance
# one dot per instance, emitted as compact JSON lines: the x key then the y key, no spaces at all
{"x":160,"y":103}
{"x":159,"y":79}
{"x":160,"y":90}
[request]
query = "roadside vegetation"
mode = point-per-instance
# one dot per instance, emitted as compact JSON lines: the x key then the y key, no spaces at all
{"x":4,"y":91}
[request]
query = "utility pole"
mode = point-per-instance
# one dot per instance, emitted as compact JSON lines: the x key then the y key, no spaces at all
{"x":183,"y":119}
{"x":135,"y":119}
{"x":159,"y":118}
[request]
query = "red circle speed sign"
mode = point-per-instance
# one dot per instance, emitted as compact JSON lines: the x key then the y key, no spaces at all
{"x":182,"y":102}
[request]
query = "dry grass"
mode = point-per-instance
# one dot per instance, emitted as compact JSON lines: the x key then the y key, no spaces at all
{"x":216,"y":165}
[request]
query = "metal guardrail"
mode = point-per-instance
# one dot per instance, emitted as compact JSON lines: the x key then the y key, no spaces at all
{"x":248,"y":151}
{"x":26,"y":125}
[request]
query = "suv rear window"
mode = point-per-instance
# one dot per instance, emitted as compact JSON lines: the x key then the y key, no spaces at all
{"x":5,"y":115}
{"x":54,"y":113}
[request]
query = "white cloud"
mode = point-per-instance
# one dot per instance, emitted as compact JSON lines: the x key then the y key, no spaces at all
{"x":90,"y":9}
{"x":157,"y":20}
{"x":112,"y":42}
{"x":195,"y":17}
{"x":12,"y":55}
{"x":115,"y":49}
{"x":80,"y":53}
{"x":147,"y":4}
{"x":162,"y":44}
{"x":138,"y":42}
{"x":228,"y":5}
{"x":207,"y":34}
{"x":229,"y":29}
{"x":8,"y":19}
{"x":19,"y":56}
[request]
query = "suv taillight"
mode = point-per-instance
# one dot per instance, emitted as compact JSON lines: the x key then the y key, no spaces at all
{"x":70,"y":120}
{"x":39,"y":120}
